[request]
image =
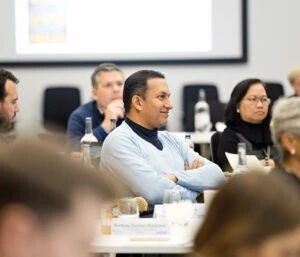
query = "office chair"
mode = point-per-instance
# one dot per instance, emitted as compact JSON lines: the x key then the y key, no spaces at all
{"x":58,"y":104}
{"x":274,"y":90}
{"x":214,"y":144}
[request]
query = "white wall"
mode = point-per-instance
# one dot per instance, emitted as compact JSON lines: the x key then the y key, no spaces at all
{"x":274,"y":48}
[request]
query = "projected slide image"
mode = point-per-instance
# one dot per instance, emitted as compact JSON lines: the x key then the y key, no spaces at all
{"x":114,"y":26}
{"x":46,"y":21}
{"x":128,"y":31}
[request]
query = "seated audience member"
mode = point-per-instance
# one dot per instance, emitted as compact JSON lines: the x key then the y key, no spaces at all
{"x":253,"y":215}
{"x":294,"y":79}
{"x":150,"y":161}
{"x":248,"y":120}
{"x":107,"y":90}
{"x":8,"y":102}
{"x":286,"y":135}
{"x":49,"y":206}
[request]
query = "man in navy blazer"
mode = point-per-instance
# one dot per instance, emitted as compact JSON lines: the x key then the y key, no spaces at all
{"x":107,"y":91}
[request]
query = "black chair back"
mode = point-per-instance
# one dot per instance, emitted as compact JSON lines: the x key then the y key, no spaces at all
{"x":274,"y":91}
{"x":214,"y":144}
{"x":59,"y":102}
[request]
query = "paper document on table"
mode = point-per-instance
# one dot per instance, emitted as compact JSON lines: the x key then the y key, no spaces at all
{"x":253,"y":164}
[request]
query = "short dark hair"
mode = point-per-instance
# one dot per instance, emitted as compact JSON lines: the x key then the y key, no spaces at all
{"x":239,"y":91}
{"x":38,"y":177}
{"x":4,"y":76}
{"x":246,"y":211}
{"x":103,"y":67}
{"x":136,"y":84}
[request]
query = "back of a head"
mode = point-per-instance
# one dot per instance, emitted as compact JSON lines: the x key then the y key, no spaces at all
{"x":39,"y":178}
{"x":247,"y":210}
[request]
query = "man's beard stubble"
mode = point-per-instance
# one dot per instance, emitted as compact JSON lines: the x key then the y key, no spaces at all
{"x":5,"y":124}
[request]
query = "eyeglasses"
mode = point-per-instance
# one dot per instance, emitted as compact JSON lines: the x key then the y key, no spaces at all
{"x":255,"y":100}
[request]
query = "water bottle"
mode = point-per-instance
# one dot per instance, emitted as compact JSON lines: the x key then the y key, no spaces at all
{"x":89,"y":144}
{"x":242,"y":160}
{"x":189,"y":141}
{"x":202,"y":114}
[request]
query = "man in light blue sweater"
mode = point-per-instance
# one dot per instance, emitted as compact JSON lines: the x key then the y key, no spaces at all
{"x":150,"y":161}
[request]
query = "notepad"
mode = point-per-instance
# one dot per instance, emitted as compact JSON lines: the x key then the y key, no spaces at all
{"x":253,"y":164}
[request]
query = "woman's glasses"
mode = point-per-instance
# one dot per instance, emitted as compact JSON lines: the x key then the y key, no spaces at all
{"x":256,"y":100}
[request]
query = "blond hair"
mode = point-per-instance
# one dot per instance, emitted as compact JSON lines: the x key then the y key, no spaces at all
{"x":295,"y":72}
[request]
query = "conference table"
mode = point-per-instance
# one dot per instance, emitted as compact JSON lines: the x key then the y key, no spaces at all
{"x":178,"y":241}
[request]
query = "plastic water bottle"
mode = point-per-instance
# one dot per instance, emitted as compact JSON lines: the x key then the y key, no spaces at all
{"x":202,"y":114}
{"x":89,"y":152}
{"x":189,"y":141}
{"x":242,"y":160}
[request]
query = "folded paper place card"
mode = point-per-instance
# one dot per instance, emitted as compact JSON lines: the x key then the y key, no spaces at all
{"x":253,"y":164}
{"x":145,"y":226}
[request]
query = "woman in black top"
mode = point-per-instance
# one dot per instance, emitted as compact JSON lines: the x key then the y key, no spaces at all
{"x":286,"y":136}
{"x":248,"y":120}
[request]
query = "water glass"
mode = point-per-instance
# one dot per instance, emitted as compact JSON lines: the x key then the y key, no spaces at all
{"x":128,"y":208}
{"x":171,"y":196}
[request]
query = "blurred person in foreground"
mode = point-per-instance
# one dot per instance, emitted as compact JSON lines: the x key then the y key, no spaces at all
{"x":294,"y":79}
{"x":147,"y":160}
{"x":107,"y":91}
{"x":8,"y":102}
{"x":253,"y":215}
{"x":286,"y":135}
{"x":247,"y":118}
{"x":49,"y":206}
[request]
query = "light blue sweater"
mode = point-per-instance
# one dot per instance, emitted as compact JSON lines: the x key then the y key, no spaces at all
{"x":141,"y":165}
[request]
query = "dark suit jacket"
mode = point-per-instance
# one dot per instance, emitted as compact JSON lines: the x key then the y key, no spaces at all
{"x":76,"y":124}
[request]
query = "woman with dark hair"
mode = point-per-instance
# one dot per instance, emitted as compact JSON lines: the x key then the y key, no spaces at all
{"x":248,"y":120}
{"x":253,"y":215}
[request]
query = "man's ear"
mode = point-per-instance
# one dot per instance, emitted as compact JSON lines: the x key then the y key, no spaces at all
{"x":94,"y":93}
{"x":137,"y":102}
{"x":288,"y":142}
{"x":17,"y":231}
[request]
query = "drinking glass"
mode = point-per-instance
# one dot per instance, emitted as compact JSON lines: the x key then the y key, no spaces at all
{"x":176,"y":208}
{"x":171,"y":196}
{"x":128,"y":208}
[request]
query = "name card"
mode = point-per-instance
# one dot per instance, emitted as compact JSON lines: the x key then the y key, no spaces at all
{"x":145,"y":226}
